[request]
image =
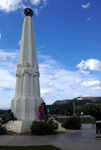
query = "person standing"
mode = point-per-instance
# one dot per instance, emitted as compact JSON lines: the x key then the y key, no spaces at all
{"x":92,"y":115}
{"x":45,"y":110}
{"x":98,"y":123}
{"x":42,"y":111}
{"x":39,"y":112}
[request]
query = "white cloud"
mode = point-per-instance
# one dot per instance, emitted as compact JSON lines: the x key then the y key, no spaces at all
{"x":20,"y":42}
{"x":10,"y":5}
{"x":76,"y":94}
{"x":44,"y":4}
{"x":41,"y":47}
{"x":45,"y":93}
{"x":92,"y":64}
{"x":93,"y":84}
{"x":53,"y":77}
{"x":88,"y":18}
{"x":35,"y":2}
{"x":85,"y":72}
{"x":36,"y":11}
{"x":44,"y":1}
{"x":4,"y":55}
{"x":61,"y":81}
{"x":78,"y":80}
{"x":85,"y":6}
{"x":96,"y":88}
{"x":7,"y":80}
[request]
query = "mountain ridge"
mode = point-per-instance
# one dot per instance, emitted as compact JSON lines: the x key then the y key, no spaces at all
{"x":95,"y":100}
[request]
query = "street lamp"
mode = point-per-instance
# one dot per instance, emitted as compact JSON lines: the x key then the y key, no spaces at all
{"x":74,"y":106}
{"x":79,"y":98}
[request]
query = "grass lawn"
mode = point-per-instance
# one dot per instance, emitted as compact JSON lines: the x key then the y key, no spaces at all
{"x":49,"y":147}
{"x":83,"y":120}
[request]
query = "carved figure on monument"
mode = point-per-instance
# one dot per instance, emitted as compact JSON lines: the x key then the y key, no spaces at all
{"x":27,"y":64}
{"x":36,"y":70}
{"x":18,"y":65}
{"x":18,"y":73}
{"x":26,"y":69}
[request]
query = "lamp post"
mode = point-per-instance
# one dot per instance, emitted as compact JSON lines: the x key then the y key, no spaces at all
{"x":74,"y":106}
{"x":79,"y":98}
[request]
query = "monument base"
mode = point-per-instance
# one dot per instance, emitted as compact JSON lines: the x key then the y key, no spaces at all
{"x":18,"y":126}
{"x":24,"y":126}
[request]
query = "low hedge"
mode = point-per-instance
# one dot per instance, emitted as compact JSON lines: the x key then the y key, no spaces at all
{"x":43,"y":127}
{"x":3,"y":130}
{"x":72,"y":123}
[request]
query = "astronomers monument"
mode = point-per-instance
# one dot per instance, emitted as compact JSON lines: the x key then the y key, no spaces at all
{"x":27,"y":98}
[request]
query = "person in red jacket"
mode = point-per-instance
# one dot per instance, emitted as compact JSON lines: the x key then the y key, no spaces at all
{"x":42,"y":111}
{"x":39,"y":112}
{"x":45,"y":110}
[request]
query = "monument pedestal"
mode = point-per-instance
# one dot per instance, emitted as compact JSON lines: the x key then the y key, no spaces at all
{"x":19,"y":126}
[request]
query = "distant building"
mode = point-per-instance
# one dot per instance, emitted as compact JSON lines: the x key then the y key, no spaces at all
{"x":79,"y":98}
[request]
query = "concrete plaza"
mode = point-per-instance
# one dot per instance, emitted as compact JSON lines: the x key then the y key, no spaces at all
{"x":80,"y":140}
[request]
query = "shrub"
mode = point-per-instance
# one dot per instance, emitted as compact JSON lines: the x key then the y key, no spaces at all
{"x":51,"y":122}
{"x":72,"y":123}
{"x":43,"y":127}
{"x":2,"y":130}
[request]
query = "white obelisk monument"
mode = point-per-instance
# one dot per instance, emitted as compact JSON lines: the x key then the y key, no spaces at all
{"x":27,"y":98}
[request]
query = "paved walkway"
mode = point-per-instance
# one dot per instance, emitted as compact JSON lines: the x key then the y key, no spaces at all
{"x":81,"y":140}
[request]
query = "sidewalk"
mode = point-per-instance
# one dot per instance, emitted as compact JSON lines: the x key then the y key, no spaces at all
{"x":80,"y":140}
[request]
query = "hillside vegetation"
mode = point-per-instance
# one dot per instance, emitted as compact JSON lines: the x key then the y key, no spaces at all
{"x":86,"y":104}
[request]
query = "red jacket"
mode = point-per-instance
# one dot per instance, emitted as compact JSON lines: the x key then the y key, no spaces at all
{"x":42,"y":110}
{"x":39,"y":113}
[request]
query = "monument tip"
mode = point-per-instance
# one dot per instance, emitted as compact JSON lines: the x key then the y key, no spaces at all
{"x":28,"y":12}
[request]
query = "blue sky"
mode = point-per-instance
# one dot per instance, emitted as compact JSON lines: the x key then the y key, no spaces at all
{"x":68,"y":41}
